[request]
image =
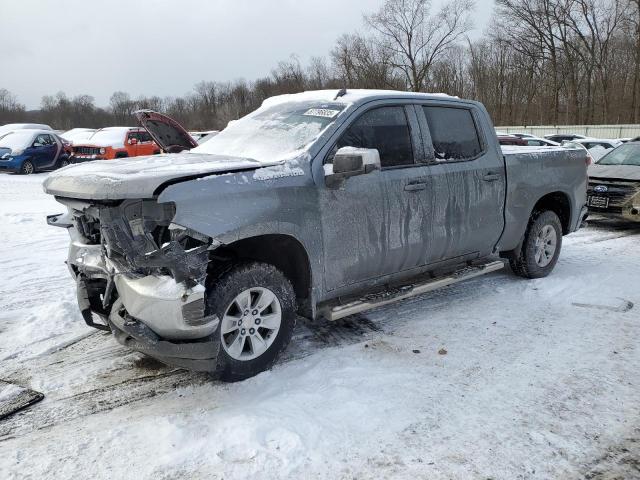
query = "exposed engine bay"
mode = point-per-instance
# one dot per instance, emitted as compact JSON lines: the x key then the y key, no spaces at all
{"x":131,"y":262}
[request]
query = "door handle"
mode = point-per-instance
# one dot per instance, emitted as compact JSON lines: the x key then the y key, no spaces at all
{"x":491,"y":177}
{"x":414,"y":187}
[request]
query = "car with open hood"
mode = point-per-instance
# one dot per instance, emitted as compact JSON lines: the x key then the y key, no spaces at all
{"x":320,"y":204}
{"x":114,"y":142}
{"x":614,"y":183}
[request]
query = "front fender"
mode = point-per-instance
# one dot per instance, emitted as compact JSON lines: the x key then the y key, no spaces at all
{"x":235,"y":206}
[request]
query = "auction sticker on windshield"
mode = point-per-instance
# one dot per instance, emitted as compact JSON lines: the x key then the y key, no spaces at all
{"x":321,"y":112}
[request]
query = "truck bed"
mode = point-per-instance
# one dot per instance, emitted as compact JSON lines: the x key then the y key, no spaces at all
{"x":559,"y":172}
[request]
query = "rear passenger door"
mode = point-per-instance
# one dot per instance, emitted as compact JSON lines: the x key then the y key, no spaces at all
{"x":468,"y":182}
{"x":374,"y":225}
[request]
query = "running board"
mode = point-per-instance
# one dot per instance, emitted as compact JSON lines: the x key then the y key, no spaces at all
{"x":377,"y":300}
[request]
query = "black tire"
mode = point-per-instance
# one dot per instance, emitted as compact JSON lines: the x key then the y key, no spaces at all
{"x":524,"y":263}
{"x":63,"y":162}
{"x":27,"y":168}
{"x":220,"y":295}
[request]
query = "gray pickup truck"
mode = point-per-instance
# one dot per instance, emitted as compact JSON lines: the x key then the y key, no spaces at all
{"x":319,"y":204}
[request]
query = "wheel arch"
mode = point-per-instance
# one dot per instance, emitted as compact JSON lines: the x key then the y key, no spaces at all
{"x":559,"y":203}
{"x":556,"y":201}
{"x":283,"y":251}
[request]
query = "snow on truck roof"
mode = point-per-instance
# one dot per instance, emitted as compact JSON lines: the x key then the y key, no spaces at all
{"x":351,"y":96}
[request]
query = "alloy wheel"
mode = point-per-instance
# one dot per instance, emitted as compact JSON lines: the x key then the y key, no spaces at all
{"x":250,"y":323}
{"x":545,"y":246}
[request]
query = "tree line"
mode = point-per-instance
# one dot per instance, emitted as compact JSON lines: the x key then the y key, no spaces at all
{"x":539,"y":62}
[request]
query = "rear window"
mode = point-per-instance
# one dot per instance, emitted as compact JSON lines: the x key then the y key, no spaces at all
{"x":453,"y":133}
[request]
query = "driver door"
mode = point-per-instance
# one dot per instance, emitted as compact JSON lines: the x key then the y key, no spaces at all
{"x":44,"y":149}
{"x":374,"y":225}
{"x":132,"y":144}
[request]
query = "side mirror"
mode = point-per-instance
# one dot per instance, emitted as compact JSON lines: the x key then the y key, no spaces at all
{"x":349,"y":162}
{"x":133,"y":141}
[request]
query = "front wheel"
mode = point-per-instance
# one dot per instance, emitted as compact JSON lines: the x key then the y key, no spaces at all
{"x":541,"y":246}
{"x":27,"y":168}
{"x":256,"y":305}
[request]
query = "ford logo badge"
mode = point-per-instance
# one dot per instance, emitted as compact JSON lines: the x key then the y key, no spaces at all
{"x":600,"y":188}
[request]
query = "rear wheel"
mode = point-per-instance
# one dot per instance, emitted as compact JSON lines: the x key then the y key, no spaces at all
{"x":27,"y":168}
{"x":63,"y":162}
{"x":255,"y":303}
{"x":541,"y":246}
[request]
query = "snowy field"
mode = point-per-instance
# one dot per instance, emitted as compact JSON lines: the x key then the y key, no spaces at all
{"x":497,"y":378}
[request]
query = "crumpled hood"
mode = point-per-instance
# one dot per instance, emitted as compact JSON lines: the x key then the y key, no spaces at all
{"x":623,"y":172}
{"x":138,"y":177}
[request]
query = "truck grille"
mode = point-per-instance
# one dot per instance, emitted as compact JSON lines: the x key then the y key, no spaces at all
{"x":86,"y":150}
{"x":618,"y":193}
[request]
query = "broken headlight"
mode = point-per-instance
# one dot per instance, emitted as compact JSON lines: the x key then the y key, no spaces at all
{"x":140,"y":234}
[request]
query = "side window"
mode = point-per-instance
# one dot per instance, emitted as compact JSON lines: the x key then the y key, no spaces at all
{"x":144,"y":137}
{"x":41,"y":140}
{"x":453,"y":133}
{"x":534,"y":143}
{"x":50,"y":140}
{"x":384,"y":128}
{"x":132,"y":135}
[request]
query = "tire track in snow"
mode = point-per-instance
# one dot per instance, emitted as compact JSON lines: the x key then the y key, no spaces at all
{"x":106,"y":364}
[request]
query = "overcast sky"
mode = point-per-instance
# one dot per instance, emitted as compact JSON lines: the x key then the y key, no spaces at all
{"x":164,"y":47}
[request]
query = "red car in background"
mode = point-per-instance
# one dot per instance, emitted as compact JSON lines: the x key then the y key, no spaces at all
{"x":114,"y":142}
{"x":511,"y":140}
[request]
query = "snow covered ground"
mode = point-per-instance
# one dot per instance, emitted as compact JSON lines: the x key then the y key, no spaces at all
{"x":496,"y":378}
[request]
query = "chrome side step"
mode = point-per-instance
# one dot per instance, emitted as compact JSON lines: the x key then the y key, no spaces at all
{"x":377,"y":300}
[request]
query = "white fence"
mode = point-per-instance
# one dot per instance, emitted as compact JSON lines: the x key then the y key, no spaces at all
{"x":597,"y":131}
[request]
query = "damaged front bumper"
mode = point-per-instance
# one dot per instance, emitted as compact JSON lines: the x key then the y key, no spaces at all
{"x":198,"y":355}
{"x":144,"y":286}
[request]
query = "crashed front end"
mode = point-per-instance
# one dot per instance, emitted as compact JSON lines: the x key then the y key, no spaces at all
{"x":142,"y":277}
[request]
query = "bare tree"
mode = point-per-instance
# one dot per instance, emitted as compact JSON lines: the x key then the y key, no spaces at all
{"x":541,"y":62}
{"x":361,"y":62}
{"x":415,"y":38}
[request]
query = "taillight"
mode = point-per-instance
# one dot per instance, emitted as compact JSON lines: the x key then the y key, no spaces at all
{"x":589,"y":160}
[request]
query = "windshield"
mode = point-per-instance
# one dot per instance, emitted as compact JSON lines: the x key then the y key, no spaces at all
{"x":622,"y":155}
{"x":79,"y":134}
{"x":273,"y":133}
{"x":109,"y":136}
{"x":16,"y":140}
